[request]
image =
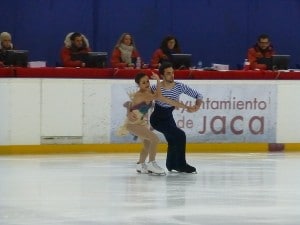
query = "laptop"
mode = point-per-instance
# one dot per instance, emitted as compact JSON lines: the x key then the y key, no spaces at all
{"x":92,"y":59}
{"x":181,"y":61}
{"x":280,"y":62}
{"x":97,"y":60}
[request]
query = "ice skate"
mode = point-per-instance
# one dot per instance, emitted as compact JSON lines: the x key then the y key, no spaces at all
{"x":173,"y":170}
{"x":185,"y":169}
{"x":141,"y":168}
{"x":155,"y":169}
{"x":188,"y":169}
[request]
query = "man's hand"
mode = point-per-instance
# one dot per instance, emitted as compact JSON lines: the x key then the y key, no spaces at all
{"x":190,"y":109}
{"x":197,"y":105}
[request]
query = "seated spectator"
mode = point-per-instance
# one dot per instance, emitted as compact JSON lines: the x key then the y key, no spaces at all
{"x":6,"y":44}
{"x":168,"y":46}
{"x":76,"y":46}
{"x":260,"y":55}
{"x":124,"y":53}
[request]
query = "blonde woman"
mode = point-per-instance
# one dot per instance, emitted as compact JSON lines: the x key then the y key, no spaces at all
{"x":124,"y":53}
{"x":5,"y":39}
{"x":6,"y":44}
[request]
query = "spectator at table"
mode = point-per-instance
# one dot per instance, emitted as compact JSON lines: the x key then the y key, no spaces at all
{"x":76,"y":46}
{"x":125,"y":52}
{"x":168,"y":46}
{"x":6,"y":44}
{"x":260,"y":55}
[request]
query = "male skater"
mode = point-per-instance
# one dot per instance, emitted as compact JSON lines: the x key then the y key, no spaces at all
{"x":163,"y":121}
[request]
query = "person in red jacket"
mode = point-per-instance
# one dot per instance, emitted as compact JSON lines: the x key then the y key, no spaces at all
{"x":260,"y":55}
{"x":168,"y":46}
{"x":76,"y":46}
{"x":125,"y":52}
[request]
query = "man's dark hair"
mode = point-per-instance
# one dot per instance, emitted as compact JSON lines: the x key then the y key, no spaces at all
{"x":75,"y":35}
{"x":263,"y":36}
{"x":164,"y":66}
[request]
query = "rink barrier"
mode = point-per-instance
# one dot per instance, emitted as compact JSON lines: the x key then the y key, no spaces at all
{"x":135,"y":148}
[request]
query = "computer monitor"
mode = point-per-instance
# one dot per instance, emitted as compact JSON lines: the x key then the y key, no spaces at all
{"x":97,"y":59}
{"x":181,"y":61}
{"x":92,"y":59}
{"x":16,"y":58}
{"x":280,"y":62}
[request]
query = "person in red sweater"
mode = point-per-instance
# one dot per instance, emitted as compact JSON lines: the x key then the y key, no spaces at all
{"x":76,"y":45}
{"x":125,"y":52}
{"x":260,"y":55}
{"x":168,"y":46}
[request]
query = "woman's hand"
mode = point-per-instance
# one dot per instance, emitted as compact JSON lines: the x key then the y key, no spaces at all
{"x":132,"y":116}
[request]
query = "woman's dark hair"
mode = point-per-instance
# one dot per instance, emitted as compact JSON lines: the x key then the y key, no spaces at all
{"x":164,"y":45}
{"x":138,"y":77}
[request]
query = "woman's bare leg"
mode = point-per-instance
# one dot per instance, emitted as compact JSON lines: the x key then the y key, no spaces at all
{"x":149,"y":139}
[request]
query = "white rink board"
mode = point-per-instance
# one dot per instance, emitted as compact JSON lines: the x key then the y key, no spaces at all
{"x":89,"y":110}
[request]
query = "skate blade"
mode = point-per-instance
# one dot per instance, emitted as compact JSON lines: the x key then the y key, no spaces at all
{"x":176,"y":171}
{"x":195,"y":172}
{"x":156,"y":174}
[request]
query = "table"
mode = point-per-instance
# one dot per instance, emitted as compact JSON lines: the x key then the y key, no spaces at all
{"x":7,"y":72}
{"x":114,"y":73}
{"x":64,"y":72}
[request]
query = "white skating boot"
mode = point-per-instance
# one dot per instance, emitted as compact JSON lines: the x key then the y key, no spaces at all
{"x":155,"y":169}
{"x":141,"y":168}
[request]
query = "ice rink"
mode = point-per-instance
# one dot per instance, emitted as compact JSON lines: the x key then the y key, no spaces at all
{"x":96,"y":189}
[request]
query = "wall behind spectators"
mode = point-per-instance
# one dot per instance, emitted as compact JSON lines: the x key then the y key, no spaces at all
{"x":214,"y":31}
